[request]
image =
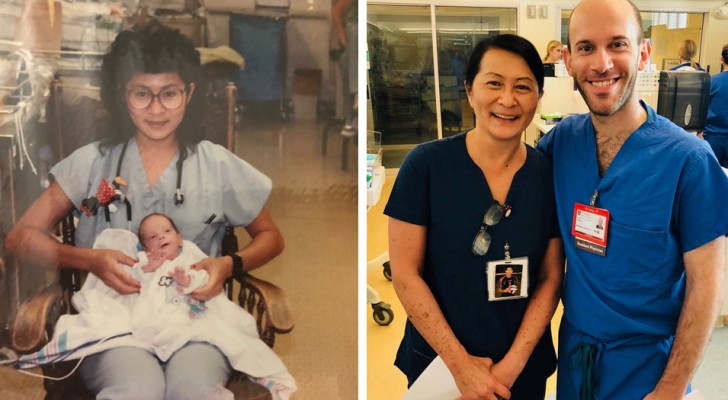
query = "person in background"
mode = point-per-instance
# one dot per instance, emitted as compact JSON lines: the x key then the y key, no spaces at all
{"x":716,"y":125}
{"x":686,"y":51}
{"x":344,"y":15}
{"x":554,"y":52}
{"x":463,"y":201}
{"x":640,"y":299}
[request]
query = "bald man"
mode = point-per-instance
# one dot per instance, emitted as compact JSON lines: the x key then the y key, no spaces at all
{"x":642,"y":294}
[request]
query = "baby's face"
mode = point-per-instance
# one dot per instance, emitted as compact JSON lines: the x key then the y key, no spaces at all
{"x":160,"y":238}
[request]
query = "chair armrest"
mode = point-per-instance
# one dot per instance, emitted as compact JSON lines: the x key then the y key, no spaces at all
{"x":36,"y":318}
{"x":278,"y":307}
{"x":268,"y":304}
{"x":244,"y":388}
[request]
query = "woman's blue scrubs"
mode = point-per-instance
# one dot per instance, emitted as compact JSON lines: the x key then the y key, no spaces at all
{"x":219,"y":190}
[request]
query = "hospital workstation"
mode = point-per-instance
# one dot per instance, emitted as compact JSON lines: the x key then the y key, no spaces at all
{"x":270,"y":81}
{"x":416,"y":56}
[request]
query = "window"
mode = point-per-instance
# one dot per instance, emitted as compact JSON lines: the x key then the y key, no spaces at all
{"x":670,"y":19}
{"x":408,"y":73}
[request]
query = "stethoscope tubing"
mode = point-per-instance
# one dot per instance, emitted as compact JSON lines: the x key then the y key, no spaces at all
{"x":179,"y":198}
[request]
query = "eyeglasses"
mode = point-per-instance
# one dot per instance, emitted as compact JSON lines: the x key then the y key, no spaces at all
{"x":140,"y":98}
{"x":482,"y":239}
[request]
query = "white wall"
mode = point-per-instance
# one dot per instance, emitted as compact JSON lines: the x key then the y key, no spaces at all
{"x":540,"y":31}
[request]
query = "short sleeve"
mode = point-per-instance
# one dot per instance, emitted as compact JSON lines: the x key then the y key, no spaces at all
{"x":74,"y":173}
{"x":245,"y":189}
{"x":703,"y":198}
{"x":410,"y":200}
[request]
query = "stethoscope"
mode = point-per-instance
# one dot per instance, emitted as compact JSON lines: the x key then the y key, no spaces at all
{"x":179,"y":198}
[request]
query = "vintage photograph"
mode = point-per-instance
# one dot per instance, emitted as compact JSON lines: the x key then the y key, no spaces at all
{"x":179,"y":199}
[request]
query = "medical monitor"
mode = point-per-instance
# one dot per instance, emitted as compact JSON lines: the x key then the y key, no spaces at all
{"x":683,"y":97}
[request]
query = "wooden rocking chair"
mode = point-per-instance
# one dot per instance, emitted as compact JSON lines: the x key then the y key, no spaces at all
{"x":36,"y":318}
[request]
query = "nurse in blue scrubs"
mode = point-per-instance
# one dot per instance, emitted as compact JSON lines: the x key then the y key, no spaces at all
{"x":716,"y":125}
{"x":462,"y":211}
{"x":640,"y":295}
{"x":154,"y":154}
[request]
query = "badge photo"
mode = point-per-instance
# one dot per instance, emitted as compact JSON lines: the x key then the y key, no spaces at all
{"x":507,"y":280}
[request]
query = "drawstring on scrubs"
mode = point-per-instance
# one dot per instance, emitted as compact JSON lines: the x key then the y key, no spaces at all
{"x":586,"y":355}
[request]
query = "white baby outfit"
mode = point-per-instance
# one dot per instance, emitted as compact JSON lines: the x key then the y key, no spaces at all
{"x":162,"y":318}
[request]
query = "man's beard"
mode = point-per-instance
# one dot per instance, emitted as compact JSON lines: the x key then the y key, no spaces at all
{"x":622,"y":98}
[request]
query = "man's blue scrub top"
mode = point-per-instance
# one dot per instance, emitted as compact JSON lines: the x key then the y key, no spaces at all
{"x":666,"y":194}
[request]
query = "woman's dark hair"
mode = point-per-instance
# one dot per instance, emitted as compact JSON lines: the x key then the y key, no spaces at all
{"x":150,"y":49}
{"x":511,"y":43}
{"x":724,"y":53}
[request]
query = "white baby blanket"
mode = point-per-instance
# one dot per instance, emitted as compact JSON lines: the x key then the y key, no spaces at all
{"x":161,"y":319}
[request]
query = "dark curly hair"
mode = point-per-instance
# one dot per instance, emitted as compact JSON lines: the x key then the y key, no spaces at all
{"x":150,"y":49}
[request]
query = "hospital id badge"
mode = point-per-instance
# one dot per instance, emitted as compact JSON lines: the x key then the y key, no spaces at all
{"x":507,"y":279}
{"x":589,"y":227}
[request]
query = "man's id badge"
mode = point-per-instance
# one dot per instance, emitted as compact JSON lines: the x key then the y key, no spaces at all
{"x":589,"y":227}
{"x":507,"y":279}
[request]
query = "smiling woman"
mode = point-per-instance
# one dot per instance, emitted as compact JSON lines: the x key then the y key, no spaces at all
{"x":503,"y":95}
{"x":148,"y":81}
{"x":157,"y":120}
{"x":440,"y":202}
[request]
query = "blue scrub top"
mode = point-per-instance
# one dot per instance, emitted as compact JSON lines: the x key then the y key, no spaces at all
{"x":687,"y":66}
{"x":717,"y":121}
{"x":440,"y":187}
{"x":666,"y":194}
{"x":219,"y":190}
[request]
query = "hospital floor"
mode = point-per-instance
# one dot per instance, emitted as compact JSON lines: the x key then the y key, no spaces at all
{"x":314,"y":204}
{"x":386,"y":382}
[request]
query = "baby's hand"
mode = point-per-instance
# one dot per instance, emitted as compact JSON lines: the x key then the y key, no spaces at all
{"x":155,"y":260}
{"x":180,"y":277}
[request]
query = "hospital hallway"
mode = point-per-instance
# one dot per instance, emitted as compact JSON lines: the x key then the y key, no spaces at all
{"x":314,"y":203}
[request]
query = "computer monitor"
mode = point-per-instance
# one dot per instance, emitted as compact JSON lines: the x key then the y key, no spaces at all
{"x":683,"y":97}
{"x":549,"y":69}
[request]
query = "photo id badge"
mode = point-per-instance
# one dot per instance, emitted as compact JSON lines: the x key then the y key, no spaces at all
{"x":590,"y":226}
{"x":507,"y":279}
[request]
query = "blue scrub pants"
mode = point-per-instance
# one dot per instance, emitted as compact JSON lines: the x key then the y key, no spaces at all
{"x":196,"y":371}
{"x":628,"y":369}
{"x":719,"y":144}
